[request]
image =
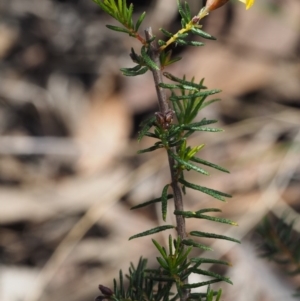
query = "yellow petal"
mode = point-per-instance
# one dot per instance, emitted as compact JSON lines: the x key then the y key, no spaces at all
{"x":248,"y":3}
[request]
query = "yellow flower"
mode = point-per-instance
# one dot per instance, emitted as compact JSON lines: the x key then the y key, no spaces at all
{"x":248,"y":3}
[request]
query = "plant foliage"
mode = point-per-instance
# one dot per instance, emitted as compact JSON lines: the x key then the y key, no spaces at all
{"x":281,"y":244}
{"x":170,"y":128}
{"x":150,"y":284}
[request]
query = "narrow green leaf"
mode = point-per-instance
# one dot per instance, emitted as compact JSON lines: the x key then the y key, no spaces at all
{"x":166,"y":33}
{"x":187,"y":11}
{"x":183,"y":81}
{"x":162,"y":263}
{"x":115,"y":286}
{"x":150,"y":149}
{"x":161,"y":250}
{"x":148,"y":60}
{"x":135,"y":68}
{"x":121,"y":284}
{"x":172,"y":61}
{"x":129,"y":15}
{"x":161,"y":279}
{"x":180,"y":8}
{"x":181,"y":42}
{"x":182,"y":35}
{"x":198,"y":94}
{"x":161,"y":43}
{"x":199,"y":284}
{"x":106,"y":8}
{"x":191,"y":242}
{"x":209,"y":102}
{"x":177,"y":86}
{"x":183,"y":268}
{"x":202,"y":34}
{"x":178,"y":109}
{"x":195,"y":43}
{"x":204,"y":121}
{"x":135,"y":57}
{"x":170,"y":245}
{"x":141,"y":71}
{"x":164,"y":202}
{"x":212,"y":235}
{"x":219,"y":294}
{"x":191,"y":214}
{"x":188,"y":165}
{"x":117,"y":28}
{"x":211,"y":274}
{"x":139,"y":21}
{"x":201,"y":161}
{"x":121,"y":4}
{"x":157,"y":200}
{"x":184,"y":256}
{"x":152,"y":231}
{"x":208,"y":210}
{"x":214,"y":193}
{"x":199,"y":261}
{"x":206,"y":129}
{"x":146,"y":125}
{"x":151,"y":135}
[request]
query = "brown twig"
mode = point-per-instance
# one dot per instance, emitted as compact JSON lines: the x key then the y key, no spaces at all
{"x":164,"y":110}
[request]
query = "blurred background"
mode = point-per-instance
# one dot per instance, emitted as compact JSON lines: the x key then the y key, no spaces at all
{"x":69,"y":172}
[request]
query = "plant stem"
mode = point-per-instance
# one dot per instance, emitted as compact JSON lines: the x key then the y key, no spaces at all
{"x":157,"y":74}
{"x":164,"y":108}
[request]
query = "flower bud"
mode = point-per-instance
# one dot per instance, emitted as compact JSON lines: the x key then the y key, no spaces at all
{"x":214,"y":4}
{"x":105,"y":290}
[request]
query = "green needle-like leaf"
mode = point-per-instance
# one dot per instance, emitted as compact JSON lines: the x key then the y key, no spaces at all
{"x":166,"y":33}
{"x":199,"y":284}
{"x":206,"y":129}
{"x":128,"y":15}
{"x":202,"y":34}
{"x":148,"y":60}
{"x":128,"y":72}
{"x":201,"y":161}
{"x":198,"y":94}
{"x":117,"y":28}
{"x":214,"y":193}
{"x":150,"y":149}
{"x":177,"y":86}
{"x":187,"y":11}
{"x":161,"y":250}
{"x":191,"y":214}
{"x":191,"y":242}
{"x":182,"y":12}
{"x":188,"y":165}
{"x":194,"y":43}
{"x":139,"y":21}
{"x":211,"y":274}
{"x":184,"y":256}
{"x":212,"y":235}
{"x":146,"y":125}
{"x":152,"y":231}
{"x":157,"y":200}
{"x":183,"y":81}
{"x":209,"y":102}
{"x":164,"y":202}
{"x":181,"y":42}
{"x":208,"y":210}
{"x":162,"y":263}
{"x":204,"y":121}
{"x":199,"y":261}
